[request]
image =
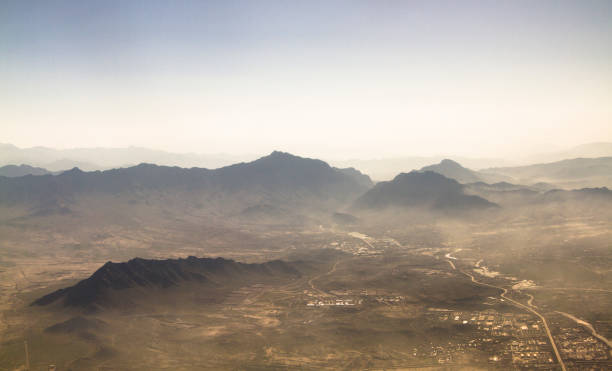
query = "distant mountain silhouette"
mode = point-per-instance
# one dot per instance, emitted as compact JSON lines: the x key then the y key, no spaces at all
{"x":420,"y":189}
{"x":13,"y":171}
{"x":504,"y":193}
{"x":454,"y":170}
{"x":387,"y":168}
{"x":99,"y":289}
{"x":602,"y":195}
{"x":507,"y":194}
{"x":279,"y":178}
{"x":91,"y":159}
{"x":281,"y":171}
{"x":572,"y":173}
{"x":597,"y":149}
{"x":499,"y":186}
{"x":587,"y":150}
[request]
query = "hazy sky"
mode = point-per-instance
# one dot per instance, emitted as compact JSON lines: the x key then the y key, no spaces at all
{"x":324,"y":78}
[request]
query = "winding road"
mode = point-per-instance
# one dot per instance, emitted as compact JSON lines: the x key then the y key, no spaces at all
{"x":530,"y":301}
{"x":311,"y":281}
{"x":516,"y":303}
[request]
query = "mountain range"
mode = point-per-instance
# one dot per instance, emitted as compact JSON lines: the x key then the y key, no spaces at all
{"x":281,"y":180}
{"x":90,"y":159}
{"x":567,"y":174}
{"x":285,"y":188}
{"x":588,"y":150}
{"x":387,"y":168}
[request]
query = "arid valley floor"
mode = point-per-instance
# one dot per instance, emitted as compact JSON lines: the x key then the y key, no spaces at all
{"x":427,"y":296}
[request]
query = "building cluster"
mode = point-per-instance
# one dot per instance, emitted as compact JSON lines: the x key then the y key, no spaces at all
{"x":322,"y":302}
{"x":353,"y":297}
{"x":390,"y":299}
{"x":520,"y":340}
{"x":361,"y":245}
{"x":498,"y":324}
{"x":577,"y":344}
{"x":531,"y":352}
{"x":511,"y":338}
{"x":453,"y":351}
{"x":357,"y":247}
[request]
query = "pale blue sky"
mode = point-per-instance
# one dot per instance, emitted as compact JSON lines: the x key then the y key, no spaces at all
{"x":323,"y":78}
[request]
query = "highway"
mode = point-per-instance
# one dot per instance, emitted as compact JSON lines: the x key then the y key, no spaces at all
{"x":516,"y":303}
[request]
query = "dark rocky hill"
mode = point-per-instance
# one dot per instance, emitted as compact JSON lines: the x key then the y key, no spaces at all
{"x":98,"y":290}
{"x":420,"y":189}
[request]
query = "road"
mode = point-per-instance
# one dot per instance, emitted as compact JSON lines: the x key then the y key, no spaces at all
{"x":452,"y":264}
{"x":590,"y":327}
{"x":449,"y":256}
{"x":516,"y":303}
{"x":311,"y":281}
{"x":530,"y":301}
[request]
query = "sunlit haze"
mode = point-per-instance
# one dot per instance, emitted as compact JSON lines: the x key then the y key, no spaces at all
{"x":333,"y":79}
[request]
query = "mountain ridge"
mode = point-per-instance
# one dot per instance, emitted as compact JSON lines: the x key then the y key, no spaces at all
{"x":14,"y":171}
{"x":278,"y":188}
{"x":97,"y":290}
{"x":279,"y":173}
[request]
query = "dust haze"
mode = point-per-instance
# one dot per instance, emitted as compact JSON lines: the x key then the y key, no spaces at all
{"x":305,"y":186}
